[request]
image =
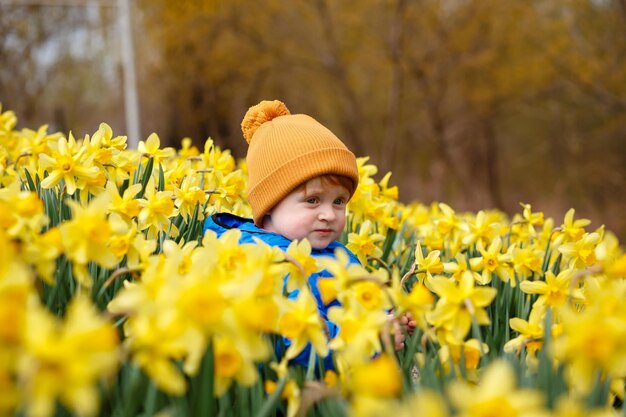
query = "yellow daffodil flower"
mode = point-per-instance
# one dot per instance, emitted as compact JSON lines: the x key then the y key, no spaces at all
{"x":459,"y":303}
{"x":573,"y":229}
{"x":493,"y":261}
{"x":472,"y":351}
{"x":188,"y":197}
{"x":429,"y":265}
{"x":64,"y":361}
{"x":365,"y":243}
{"x":152,"y":148}
{"x":530,"y":334}
{"x":379,"y":378}
{"x":301,"y":323}
{"x":291,"y":391}
{"x":526,"y":261}
{"x":359,"y":332}
{"x":496,"y":395}
{"x":303,"y":264}
{"x":65,"y":165}
{"x":343,"y":274}
{"x":594,"y":339}
{"x":479,"y":229}
{"x":555,"y":290}
{"x":581,"y":253}
{"x":157,"y":207}
{"x":23,"y":211}
{"x":235,"y":361}
{"x":127,"y":206}
{"x":86,"y":237}
{"x":461,"y":266}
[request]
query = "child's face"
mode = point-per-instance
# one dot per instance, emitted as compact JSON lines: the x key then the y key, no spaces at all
{"x":316,"y":211}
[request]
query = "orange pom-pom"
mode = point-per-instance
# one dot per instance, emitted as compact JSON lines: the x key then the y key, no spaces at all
{"x":261,"y":113}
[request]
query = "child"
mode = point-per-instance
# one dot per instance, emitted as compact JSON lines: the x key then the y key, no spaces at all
{"x":301,"y":176}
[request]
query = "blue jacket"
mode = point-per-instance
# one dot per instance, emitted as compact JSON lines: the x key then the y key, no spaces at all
{"x":221,"y":222}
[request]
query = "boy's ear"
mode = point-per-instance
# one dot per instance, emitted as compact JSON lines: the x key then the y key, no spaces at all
{"x":267,"y":219}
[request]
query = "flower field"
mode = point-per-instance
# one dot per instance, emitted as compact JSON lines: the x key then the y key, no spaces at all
{"x":113,"y":302}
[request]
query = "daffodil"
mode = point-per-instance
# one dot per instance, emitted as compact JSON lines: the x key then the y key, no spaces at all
{"x":64,"y":164}
{"x":151,"y":147}
{"x":301,"y":324}
{"x":573,"y":229}
{"x":86,"y":237}
{"x":370,"y":294}
{"x":523,"y":227}
{"x":365,"y":243}
{"x":189,"y":197}
{"x":479,"y":229}
{"x":104,"y":137}
{"x":471,"y":350}
{"x":291,"y":391}
{"x":461,"y":266}
{"x":358,"y":338}
{"x":103,"y":145}
{"x":64,"y":360}
{"x":303,"y":264}
{"x":530,"y":334}
{"x":447,"y":222}
{"x":235,"y":361}
{"x":16,"y":291}
{"x":493,"y":261}
{"x":418,"y":301}
{"x":23,"y":211}
{"x":555,"y":290}
{"x":496,"y":395}
{"x":187,"y":148}
{"x":33,"y":143}
{"x":157,"y":207}
{"x":42,"y":251}
{"x":126,"y":205}
{"x":123,"y":165}
{"x":460,"y":303}
{"x":8,"y":120}
{"x":431,"y":264}
{"x":594,"y":338}
{"x":226,"y":190}
{"x":570,"y":406}
{"x":423,"y":403}
{"x":581,"y":253}
{"x":157,"y":329}
{"x":343,"y":274}
{"x":526,"y":261}
{"x":216,"y":158}
{"x":379,"y":378}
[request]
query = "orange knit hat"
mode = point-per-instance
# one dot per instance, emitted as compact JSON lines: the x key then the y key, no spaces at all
{"x":286,"y":150}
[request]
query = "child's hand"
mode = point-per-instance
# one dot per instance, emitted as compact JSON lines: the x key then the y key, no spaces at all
{"x":398,"y":334}
{"x":407,"y":321}
{"x":400,"y":327}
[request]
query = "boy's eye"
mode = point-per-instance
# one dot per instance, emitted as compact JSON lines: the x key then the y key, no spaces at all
{"x":311,"y":200}
{"x":339,"y":201}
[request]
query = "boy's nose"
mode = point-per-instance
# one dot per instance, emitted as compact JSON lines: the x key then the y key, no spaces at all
{"x":327,"y":213}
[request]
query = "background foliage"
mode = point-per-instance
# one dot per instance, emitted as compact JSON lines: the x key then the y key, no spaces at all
{"x":500,"y":102}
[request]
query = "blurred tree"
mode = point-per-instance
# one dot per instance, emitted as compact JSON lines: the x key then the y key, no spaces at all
{"x":58,"y":65}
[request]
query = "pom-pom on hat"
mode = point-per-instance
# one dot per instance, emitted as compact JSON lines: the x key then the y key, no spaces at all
{"x":286,"y":150}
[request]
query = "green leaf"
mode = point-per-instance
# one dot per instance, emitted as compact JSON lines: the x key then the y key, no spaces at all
{"x":161,"y":185}
{"x":272,"y":401}
{"x":146,"y":177}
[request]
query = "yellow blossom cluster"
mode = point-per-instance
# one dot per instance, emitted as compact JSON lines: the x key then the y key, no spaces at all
{"x":104,"y":266}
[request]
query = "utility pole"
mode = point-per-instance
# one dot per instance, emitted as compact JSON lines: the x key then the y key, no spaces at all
{"x":131,"y":102}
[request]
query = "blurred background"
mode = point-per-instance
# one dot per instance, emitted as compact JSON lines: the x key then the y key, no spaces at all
{"x":477,"y":103}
